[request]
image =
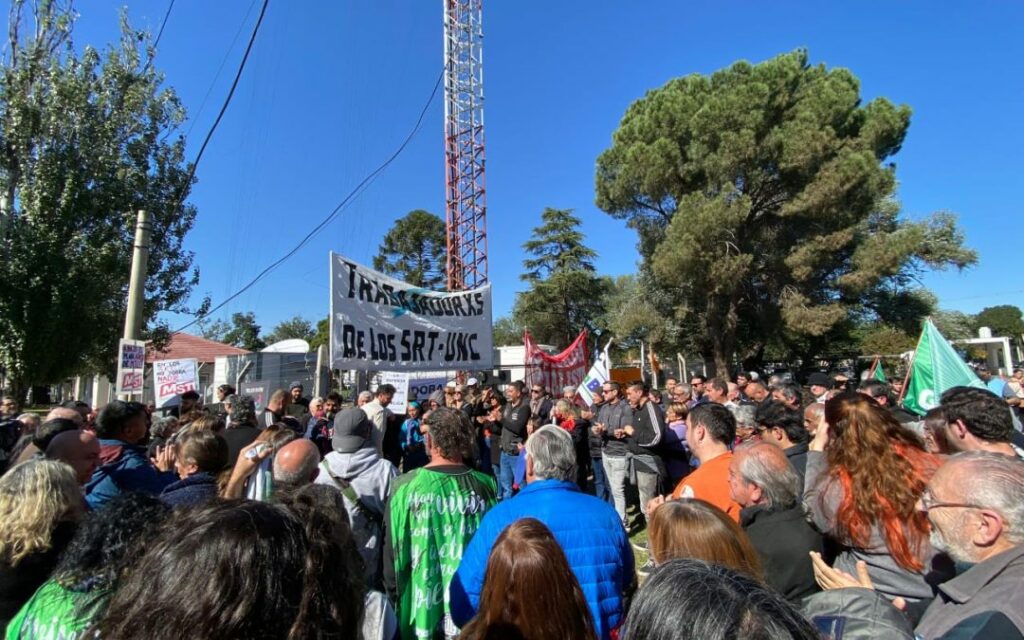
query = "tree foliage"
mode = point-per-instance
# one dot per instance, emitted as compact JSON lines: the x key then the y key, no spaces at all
{"x":415,"y":250}
{"x":1004,"y":320}
{"x":242,"y":332}
{"x":86,"y":140}
{"x":507,"y":333}
{"x":322,"y":335}
{"x":954,"y":325}
{"x":565,"y":294}
{"x":295,"y":328}
{"x":765,"y":206}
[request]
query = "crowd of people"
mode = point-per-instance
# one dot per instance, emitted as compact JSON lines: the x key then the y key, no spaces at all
{"x":760,"y":509}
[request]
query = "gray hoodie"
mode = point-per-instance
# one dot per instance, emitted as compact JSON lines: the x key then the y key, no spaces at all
{"x":370,"y":477}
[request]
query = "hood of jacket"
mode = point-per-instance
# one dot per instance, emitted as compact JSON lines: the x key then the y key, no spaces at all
{"x":351,"y":465}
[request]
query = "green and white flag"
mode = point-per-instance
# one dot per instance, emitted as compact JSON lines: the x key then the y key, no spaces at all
{"x":937,"y":367}
{"x":879,"y":372}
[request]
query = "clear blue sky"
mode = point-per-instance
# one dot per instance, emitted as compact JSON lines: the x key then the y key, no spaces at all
{"x":333,"y":87}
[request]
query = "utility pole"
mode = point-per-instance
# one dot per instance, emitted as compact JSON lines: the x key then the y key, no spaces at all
{"x":137,"y":284}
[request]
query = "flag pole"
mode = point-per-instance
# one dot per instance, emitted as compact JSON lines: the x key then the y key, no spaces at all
{"x":906,"y":379}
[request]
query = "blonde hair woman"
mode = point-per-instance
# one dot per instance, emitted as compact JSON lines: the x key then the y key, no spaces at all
{"x":40,"y":506}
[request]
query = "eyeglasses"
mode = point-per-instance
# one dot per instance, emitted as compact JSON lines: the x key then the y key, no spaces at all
{"x":607,"y":390}
{"x":534,"y":390}
{"x":928,"y":502}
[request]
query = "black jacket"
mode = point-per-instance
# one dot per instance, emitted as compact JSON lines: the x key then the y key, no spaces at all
{"x":783,"y":539}
{"x":797,"y":455}
{"x":513,"y":426}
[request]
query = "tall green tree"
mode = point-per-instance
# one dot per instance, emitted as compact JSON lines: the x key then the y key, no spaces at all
{"x":415,"y":250}
{"x":86,"y":140}
{"x":295,"y":328}
{"x":565,"y":294}
{"x":764,"y":202}
{"x":507,"y":333}
{"x":243,"y":332}
{"x":1005,"y":320}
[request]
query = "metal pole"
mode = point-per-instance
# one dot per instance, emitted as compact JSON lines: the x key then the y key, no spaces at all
{"x":137,"y":284}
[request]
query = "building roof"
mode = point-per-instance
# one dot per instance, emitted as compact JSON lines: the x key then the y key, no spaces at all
{"x":183,"y":345}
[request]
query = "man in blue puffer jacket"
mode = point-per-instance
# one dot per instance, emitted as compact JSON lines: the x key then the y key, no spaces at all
{"x":587,"y":528}
{"x":123,"y":463}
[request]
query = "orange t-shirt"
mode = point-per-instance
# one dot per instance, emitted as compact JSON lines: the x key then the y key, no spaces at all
{"x":710,"y":482}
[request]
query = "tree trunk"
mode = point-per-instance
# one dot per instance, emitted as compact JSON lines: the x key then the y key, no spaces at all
{"x":721,"y":327}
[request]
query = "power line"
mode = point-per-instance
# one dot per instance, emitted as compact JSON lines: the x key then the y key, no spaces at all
{"x":359,"y":188}
{"x":156,"y":43}
{"x":227,"y":100}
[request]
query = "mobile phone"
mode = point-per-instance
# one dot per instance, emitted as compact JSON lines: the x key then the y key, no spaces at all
{"x":257,"y":451}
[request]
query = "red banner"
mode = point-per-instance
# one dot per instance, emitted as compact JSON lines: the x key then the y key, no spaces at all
{"x":556,"y":371}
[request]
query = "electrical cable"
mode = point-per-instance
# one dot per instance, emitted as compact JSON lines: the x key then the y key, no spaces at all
{"x":227,"y":101}
{"x":354,"y":193}
{"x":156,"y":43}
{"x":159,"y":34}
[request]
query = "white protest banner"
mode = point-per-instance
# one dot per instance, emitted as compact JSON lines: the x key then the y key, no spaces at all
{"x":171,"y":378}
{"x":378,"y":322}
{"x":400,"y":381}
{"x":131,"y":363}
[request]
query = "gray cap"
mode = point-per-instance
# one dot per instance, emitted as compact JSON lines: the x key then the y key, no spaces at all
{"x":438,"y":397}
{"x":351,"y":430}
{"x":294,"y":385}
{"x":243,"y":411}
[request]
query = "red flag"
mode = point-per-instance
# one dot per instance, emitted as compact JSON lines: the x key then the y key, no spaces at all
{"x":556,"y":371}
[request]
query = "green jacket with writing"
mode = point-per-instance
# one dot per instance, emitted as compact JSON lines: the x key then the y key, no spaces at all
{"x":431,"y":516}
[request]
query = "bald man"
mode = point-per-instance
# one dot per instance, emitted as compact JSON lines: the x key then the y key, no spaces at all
{"x":67,"y":414}
{"x":296,"y":464}
{"x":79,"y":449}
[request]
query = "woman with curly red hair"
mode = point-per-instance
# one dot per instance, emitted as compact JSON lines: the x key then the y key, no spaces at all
{"x":865,"y":473}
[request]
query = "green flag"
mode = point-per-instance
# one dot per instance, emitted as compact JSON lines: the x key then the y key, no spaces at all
{"x":879,"y":372}
{"x":937,"y":367}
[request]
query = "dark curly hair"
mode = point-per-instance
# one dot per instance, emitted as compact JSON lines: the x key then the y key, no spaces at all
{"x":108,"y":540}
{"x":451,"y":432}
{"x":334,"y":592}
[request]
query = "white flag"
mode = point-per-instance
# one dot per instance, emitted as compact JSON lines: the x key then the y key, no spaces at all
{"x":596,"y":377}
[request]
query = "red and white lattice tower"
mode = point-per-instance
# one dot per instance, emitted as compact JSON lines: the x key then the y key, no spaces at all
{"x":464,"y":144}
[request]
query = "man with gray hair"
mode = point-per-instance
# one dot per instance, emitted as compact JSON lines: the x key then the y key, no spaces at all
{"x":765,"y":484}
{"x":587,"y":528}
{"x":975,"y":505}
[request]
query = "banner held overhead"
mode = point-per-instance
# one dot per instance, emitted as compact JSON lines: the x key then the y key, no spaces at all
{"x":380,"y":323}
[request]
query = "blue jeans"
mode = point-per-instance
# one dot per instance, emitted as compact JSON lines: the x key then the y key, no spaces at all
{"x":600,"y":482}
{"x":507,"y":476}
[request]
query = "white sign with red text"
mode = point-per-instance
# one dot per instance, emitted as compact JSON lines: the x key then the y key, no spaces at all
{"x":131,"y":362}
{"x":171,"y":378}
